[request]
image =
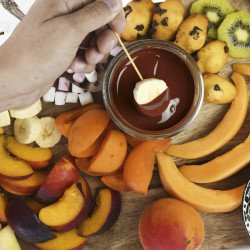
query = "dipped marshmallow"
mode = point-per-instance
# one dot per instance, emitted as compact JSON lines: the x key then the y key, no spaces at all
{"x":151,"y":96}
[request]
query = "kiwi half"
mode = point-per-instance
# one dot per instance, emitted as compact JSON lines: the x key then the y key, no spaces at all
{"x":215,"y":10}
{"x":235,"y":31}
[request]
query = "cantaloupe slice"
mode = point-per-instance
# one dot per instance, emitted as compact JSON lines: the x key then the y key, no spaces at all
{"x":224,"y":131}
{"x":242,"y":68}
{"x":203,"y":199}
{"x":221,"y":167}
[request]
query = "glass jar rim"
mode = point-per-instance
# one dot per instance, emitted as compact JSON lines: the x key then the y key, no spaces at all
{"x":150,"y":134}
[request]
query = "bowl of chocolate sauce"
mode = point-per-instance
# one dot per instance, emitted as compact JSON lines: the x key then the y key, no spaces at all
{"x":161,"y":60}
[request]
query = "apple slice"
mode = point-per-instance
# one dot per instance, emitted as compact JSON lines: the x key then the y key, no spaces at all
{"x":61,"y":177}
{"x":35,"y":205}
{"x":105,"y":214}
{"x":3,"y":204}
{"x":8,"y":240}
{"x":36,"y":157}
{"x":67,"y":213}
{"x":10,"y":167}
{"x":25,"y":223}
{"x":139,"y":165}
{"x":68,"y":240}
{"x":27,"y":186}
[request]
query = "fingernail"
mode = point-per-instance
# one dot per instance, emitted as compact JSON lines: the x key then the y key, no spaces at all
{"x":79,"y":77}
{"x":114,"y":5}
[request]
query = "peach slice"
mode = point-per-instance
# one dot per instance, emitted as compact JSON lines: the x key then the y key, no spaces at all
{"x":61,"y":177}
{"x":242,"y":68}
{"x":138,"y":167}
{"x":133,"y":141}
{"x":13,"y":193}
{"x":171,"y":224}
{"x":35,"y":205}
{"x":111,"y":154}
{"x":36,"y":157}
{"x":25,"y":223}
{"x":66,"y":119}
{"x":105,"y":214}
{"x":27,"y":186}
{"x":115,"y":181}
{"x":224,"y":131}
{"x":69,"y":240}
{"x":10,"y":167}
{"x":67,"y":213}
{"x":86,"y":130}
{"x":203,"y":199}
{"x":3,"y":204}
{"x":221,"y":167}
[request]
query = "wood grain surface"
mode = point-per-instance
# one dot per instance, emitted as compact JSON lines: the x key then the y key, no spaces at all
{"x":223,"y":231}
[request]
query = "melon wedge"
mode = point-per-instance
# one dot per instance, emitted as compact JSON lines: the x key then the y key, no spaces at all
{"x":203,"y":199}
{"x":225,"y":130}
{"x":221,"y":167}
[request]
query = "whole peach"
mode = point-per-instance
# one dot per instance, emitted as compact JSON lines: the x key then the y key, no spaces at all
{"x":171,"y":224}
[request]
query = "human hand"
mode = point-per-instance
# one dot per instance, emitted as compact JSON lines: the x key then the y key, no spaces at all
{"x":45,"y":44}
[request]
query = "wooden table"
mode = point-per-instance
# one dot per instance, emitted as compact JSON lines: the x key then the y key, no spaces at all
{"x":223,"y":231}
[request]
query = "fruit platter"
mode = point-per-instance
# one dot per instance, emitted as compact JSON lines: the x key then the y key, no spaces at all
{"x":71,"y":179}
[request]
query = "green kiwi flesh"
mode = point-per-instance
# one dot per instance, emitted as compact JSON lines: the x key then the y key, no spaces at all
{"x":235,"y":31}
{"x":215,"y":10}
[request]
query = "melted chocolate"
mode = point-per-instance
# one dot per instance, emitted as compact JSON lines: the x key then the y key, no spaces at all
{"x":153,"y":63}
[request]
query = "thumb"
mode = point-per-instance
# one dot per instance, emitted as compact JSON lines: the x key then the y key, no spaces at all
{"x":95,"y":15}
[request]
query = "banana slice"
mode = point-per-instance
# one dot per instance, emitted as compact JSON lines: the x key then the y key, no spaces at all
{"x":27,"y":130}
{"x":27,"y":112}
{"x":4,"y":119}
{"x":49,"y":135}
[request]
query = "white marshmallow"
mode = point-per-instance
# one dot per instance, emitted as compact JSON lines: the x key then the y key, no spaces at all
{"x":70,"y":71}
{"x":50,"y":95}
{"x":76,"y":89}
{"x":5,"y":119}
{"x":115,"y":51}
{"x":71,"y":97}
{"x":60,"y":98}
{"x":79,"y":77}
{"x":64,"y":84}
{"x":85,"y":98}
{"x":92,"y":77}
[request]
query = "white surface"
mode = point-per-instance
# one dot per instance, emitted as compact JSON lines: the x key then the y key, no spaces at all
{"x":50,"y":95}
{"x":60,"y":98}
{"x":71,"y":98}
{"x":86,"y":98}
{"x":24,"y":5}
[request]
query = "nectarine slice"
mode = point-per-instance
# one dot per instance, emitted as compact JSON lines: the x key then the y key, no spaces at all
{"x":138,"y":167}
{"x":203,"y":199}
{"x":86,"y":130}
{"x":221,"y":167}
{"x":61,"y":177}
{"x":27,"y":186}
{"x":25,"y":223}
{"x":66,"y":119}
{"x":115,"y":181}
{"x":3,"y":204}
{"x":242,"y":68}
{"x":10,"y":167}
{"x":69,"y":241}
{"x":67,"y":213}
{"x":225,"y":130}
{"x":35,"y":205}
{"x":111,"y":154}
{"x":36,"y":157}
{"x":171,"y":224}
{"x":105,"y":214}
{"x":10,"y":191}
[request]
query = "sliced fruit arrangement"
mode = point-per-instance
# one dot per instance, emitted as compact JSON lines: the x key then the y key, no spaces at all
{"x":104,"y":215}
{"x":36,"y":157}
{"x":203,"y":199}
{"x":8,"y":240}
{"x":224,"y":131}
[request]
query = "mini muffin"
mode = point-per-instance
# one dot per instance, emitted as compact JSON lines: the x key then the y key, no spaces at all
{"x":138,"y":15}
{"x":167,"y":17}
{"x":192,"y":33}
{"x":212,"y":57}
{"x":218,"y":89}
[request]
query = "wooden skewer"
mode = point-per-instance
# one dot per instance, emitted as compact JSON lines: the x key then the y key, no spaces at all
{"x":128,"y":55}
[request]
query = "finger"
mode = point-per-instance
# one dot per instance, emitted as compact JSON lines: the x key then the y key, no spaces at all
{"x":74,"y":5}
{"x":106,"y":41}
{"x":79,"y":65}
{"x":119,"y":23}
{"x":93,"y":56}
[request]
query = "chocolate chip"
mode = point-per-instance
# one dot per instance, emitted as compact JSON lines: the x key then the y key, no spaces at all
{"x":1,"y":33}
{"x":139,"y":27}
{"x":195,"y":32}
{"x":217,"y":87}
{"x":153,"y":30}
{"x":139,"y":36}
{"x":155,"y":23}
{"x":128,"y":9}
{"x":159,"y":10}
{"x":226,"y":49}
{"x":164,"y":21}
